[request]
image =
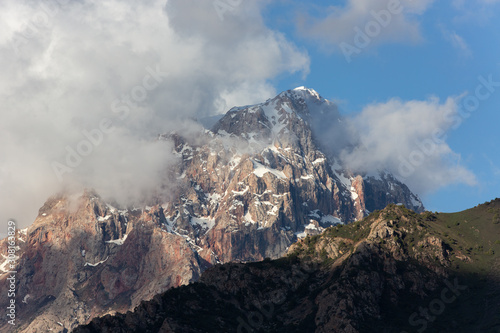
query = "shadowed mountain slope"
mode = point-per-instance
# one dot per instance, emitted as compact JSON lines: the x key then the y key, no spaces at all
{"x":395,"y":271}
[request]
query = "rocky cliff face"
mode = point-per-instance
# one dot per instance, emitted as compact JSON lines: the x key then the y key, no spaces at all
{"x":393,"y":272}
{"x":259,"y":179}
{"x":82,"y":257}
{"x":246,"y":190}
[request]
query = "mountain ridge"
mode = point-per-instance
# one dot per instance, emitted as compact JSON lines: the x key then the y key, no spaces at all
{"x":394,"y":271}
{"x":243,"y":192}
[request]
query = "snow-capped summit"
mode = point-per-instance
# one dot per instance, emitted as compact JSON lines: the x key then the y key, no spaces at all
{"x":306,"y":92}
{"x":247,"y":190}
{"x":293,"y":124}
{"x":290,"y":111}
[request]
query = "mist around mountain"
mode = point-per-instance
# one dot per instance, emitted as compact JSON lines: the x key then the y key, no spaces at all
{"x":145,"y":149}
{"x":262,"y":178}
{"x":394,"y":271}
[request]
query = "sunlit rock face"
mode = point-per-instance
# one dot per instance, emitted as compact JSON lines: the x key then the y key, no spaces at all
{"x":260,"y":178}
{"x":245,"y":190}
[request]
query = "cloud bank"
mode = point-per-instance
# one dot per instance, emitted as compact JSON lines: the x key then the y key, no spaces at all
{"x":408,"y":139}
{"x":380,"y":21}
{"x":90,"y":84}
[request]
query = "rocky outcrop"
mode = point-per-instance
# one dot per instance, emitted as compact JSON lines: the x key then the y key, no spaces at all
{"x":245,"y":190}
{"x":259,"y":180}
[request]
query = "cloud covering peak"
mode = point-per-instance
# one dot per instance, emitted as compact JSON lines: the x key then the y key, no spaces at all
{"x":116,"y":74}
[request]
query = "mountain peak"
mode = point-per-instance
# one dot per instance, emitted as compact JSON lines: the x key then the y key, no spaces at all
{"x":303,"y":93}
{"x":276,"y":115}
{"x":311,"y":92}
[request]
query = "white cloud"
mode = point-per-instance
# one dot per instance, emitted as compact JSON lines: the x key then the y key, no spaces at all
{"x":408,"y":139}
{"x":457,"y":41}
{"x":479,"y":12}
{"x":341,"y":24}
{"x":73,"y":63}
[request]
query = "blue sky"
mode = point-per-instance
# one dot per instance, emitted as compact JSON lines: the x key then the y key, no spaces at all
{"x":153,"y":66}
{"x":459,"y":42}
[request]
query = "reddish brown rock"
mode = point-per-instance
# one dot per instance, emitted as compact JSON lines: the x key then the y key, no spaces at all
{"x":245,"y":191}
{"x":75,"y":263}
